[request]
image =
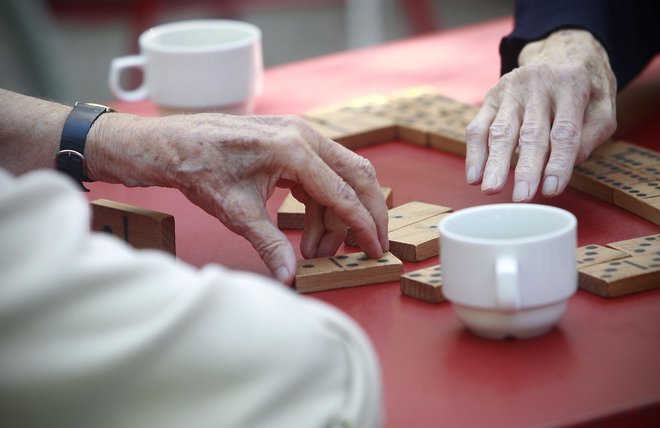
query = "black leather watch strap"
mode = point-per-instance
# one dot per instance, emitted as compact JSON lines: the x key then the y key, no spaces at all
{"x":71,"y":157}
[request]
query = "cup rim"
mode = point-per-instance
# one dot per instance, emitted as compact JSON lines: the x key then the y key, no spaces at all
{"x":252,"y":32}
{"x":447,"y":222}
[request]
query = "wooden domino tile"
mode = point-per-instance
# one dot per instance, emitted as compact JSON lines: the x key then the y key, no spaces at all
{"x":593,"y":254}
{"x":624,"y":180}
{"x":642,"y":199}
{"x":418,"y":241}
{"x":291,"y":214}
{"x":629,"y":156}
{"x":348,"y":270}
{"x":414,"y":126}
{"x":412,"y":212}
{"x":424,"y":284}
{"x":638,"y":246}
{"x":434,"y":120}
{"x":587,"y":177}
{"x":449,"y":134}
{"x":350,"y":126}
{"x":140,"y":227}
{"x":622,"y":277}
{"x":417,"y":115}
{"x":652,"y":171}
{"x":405,"y":215}
{"x":624,"y":174}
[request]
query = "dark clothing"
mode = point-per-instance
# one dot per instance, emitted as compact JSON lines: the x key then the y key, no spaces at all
{"x":629,"y":30}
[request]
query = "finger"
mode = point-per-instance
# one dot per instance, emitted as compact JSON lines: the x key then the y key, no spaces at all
{"x":502,"y":139}
{"x":362,"y":206}
{"x":324,"y":232}
{"x":476,"y":137}
{"x":313,"y":230}
{"x":361,"y":176}
{"x":534,"y":143}
{"x":333,"y":236}
{"x":250,"y":219}
{"x":599,"y":125}
{"x":565,"y":139}
{"x":330,"y":190}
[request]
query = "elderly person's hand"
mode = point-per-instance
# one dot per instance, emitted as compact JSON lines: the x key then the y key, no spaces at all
{"x":557,"y":107}
{"x":230,"y":165}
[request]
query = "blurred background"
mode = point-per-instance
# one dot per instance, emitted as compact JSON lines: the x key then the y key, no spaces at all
{"x":61,"y":49}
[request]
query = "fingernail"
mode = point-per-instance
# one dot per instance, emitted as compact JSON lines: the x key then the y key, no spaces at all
{"x":521,"y":191}
{"x":550,"y":185}
{"x":282,"y":274}
{"x":490,"y":181}
{"x":472,"y":174}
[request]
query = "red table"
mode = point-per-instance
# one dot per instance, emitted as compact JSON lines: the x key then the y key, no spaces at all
{"x":603,"y":359}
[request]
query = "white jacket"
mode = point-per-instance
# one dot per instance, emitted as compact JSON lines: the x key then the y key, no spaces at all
{"x":96,"y":334}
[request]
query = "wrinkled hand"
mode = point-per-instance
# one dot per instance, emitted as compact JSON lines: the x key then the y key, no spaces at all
{"x":557,"y":107}
{"x":230,"y":166}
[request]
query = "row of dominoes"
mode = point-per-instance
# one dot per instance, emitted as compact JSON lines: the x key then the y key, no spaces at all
{"x":623,"y":174}
{"x":417,"y":115}
{"x":413,"y":235}
{"x":618,"y":269}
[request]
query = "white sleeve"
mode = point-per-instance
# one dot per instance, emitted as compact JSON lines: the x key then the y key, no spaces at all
{"x":96,"y":334}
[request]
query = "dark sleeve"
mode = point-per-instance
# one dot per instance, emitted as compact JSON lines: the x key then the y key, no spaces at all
{"x":629,"y":30}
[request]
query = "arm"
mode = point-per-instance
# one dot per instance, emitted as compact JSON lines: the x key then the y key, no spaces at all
{"x":227,"y":165}
{"x":627,"y":30}
{"x":95,"y":333}
{"x":556,"y":102}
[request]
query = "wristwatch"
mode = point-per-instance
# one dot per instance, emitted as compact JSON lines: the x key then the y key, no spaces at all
{"x":71,"y":157}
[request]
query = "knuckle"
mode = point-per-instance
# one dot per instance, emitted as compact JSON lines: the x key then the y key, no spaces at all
{"x":561,"y":160}
{"x":501,"y":131}
{"x":268,"y":249}
{"x":366,"y":169}
{"x":495,"y":164}
{"x":533,"y":134}
{"x":295,"y":121}
{"x":528,"y":167}
{"x":346,"y":191}
{"x":566,"y":132}
{"x":525,"y":169}
{"x":474,"y":151}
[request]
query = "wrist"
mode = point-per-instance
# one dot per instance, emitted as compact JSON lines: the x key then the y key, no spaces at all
{"x":121,"y":149}
{"x":564,"y":45}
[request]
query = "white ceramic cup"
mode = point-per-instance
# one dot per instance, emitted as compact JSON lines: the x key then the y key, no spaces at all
{"x":194,"y":66}
{"x":509,"y":269}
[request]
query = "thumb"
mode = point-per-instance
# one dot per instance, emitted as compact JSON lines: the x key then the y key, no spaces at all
{"x":273,"y":247}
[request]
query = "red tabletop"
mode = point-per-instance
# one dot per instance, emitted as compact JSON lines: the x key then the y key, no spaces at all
{"x":603,"y":357}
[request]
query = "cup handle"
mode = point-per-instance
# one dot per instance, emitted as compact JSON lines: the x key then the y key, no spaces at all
{"x":507,"y":290}
{"x":116,"y":67}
